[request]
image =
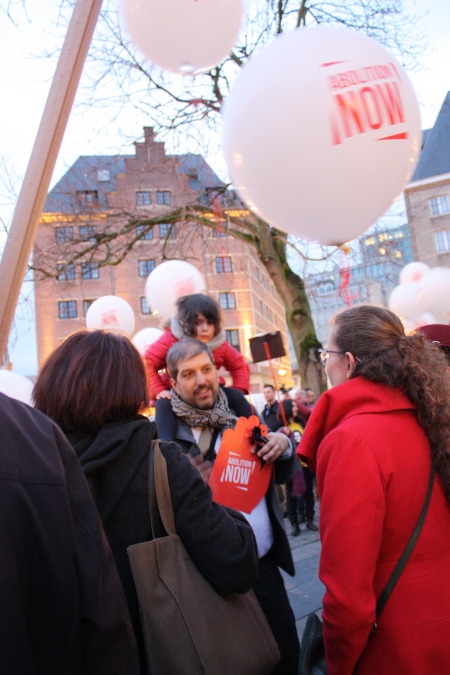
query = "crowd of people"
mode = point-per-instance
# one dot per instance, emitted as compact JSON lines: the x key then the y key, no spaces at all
{"x":76,"y":493}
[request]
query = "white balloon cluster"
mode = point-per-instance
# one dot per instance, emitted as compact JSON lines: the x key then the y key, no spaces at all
{"x":169,"y":281}
{"x":423,"y":296}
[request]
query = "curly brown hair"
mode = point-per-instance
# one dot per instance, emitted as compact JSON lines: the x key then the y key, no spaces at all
{"x":376,"y":337}
{"x":92,"y":378}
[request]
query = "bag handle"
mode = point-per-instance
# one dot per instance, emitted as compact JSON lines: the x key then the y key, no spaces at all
{"x":160,"y":502}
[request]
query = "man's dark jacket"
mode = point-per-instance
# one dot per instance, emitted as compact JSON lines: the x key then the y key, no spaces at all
{"x":62,"y":606}
{"x":172,"y":428}
{"x":269,"y":416}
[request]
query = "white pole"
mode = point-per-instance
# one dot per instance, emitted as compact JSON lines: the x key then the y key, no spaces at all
{"x":40,"y":168}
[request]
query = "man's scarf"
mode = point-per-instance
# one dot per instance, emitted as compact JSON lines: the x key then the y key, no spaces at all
{"x":218,"y":417}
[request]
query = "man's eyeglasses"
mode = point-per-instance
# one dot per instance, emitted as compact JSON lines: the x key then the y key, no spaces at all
{"x":324,"y":353}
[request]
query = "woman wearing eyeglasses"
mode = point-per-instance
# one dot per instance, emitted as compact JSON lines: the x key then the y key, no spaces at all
{"x":371,"y":441}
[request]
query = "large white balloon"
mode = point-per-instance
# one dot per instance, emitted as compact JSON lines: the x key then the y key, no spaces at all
{"x":435,"y":292}
{"x":184,"y":36}
{"x":321,"y":132}
{"x":413,"y":272}
{"x":17,"y":386}
{"x":145,"y":338}
{"x":111,"y":312}
{"x":170,"y":281}
{"x":407,"y":302}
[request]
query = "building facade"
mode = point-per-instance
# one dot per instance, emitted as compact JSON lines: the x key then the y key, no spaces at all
{"x":427,"y":196}
{"x":93,"y":216}
{"x":366,"y":274}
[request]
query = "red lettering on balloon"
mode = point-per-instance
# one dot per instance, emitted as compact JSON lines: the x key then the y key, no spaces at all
{"x":109,"y":318}
{"x":392,"y":101}
{"x":371,"y":107}
{"x":350,"y":113}
{"x":365,"y":108}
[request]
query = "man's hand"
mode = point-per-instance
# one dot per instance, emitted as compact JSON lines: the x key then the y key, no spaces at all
{"x":274,"y":448}
{"x":163,"y":394}
{"x":204,"y":466}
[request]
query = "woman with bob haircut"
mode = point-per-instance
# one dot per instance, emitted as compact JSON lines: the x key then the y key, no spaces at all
{"x":372,"y":440}
{"x":93,"y":386}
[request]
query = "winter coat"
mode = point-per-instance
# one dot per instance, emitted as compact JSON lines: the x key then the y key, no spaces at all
{"x":220,"y":542}
{"x":372,"y":461}
{"x":172,"y":428}
{"x":62,"y":606}
{"x":224,"y":355}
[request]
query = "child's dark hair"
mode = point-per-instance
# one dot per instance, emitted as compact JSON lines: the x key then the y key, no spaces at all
{"x":190,"y":306}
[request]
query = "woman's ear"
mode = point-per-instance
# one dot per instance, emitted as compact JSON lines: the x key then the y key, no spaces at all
{"x":351,"y":364}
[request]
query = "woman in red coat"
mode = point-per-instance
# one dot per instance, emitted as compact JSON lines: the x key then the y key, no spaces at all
{"x":371,"y":440}
{"x":198,"y":316}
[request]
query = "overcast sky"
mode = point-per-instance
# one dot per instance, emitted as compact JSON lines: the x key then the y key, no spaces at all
{"x":24,"y":83}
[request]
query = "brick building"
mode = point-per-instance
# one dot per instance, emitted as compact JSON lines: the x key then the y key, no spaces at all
{"x":101,"y":196}
{"x":427,"y":196}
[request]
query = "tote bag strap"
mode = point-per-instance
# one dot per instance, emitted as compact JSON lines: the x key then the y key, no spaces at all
{"x":160,"y":502}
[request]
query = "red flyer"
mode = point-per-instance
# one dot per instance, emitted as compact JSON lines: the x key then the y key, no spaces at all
{"x":239,"y":479}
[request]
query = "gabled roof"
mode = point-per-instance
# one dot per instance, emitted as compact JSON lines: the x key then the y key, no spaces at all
{"x":98,"y":173}
{"x":435,"y":156}
{"x":83,"y":176}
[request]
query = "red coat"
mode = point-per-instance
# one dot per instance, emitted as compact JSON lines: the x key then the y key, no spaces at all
{"x":225,"y":356}
{"x":373,"y":464}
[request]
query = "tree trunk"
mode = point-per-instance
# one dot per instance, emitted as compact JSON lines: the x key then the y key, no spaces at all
{"x":272,"y":252}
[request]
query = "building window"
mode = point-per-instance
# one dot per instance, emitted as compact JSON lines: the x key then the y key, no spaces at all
{"x":165,"y":228}
{"x":442,"y":241}
{"x":227,"y":300}
{"x":67,"y":309}
{"x":87,"y":232}
{"x":87,"y":197}
{"x":145,"y":309}
{"x":224,"y":264}
{"x":232,"y":337}
{"x":144,"y":233}
{"x":143,"y":198}
{"x":439,"y":205}
{"x":261,"y":307}
{"x":90,"y":271}
{"x":103,"y":175}
{"x":145,"y":267}
{"x":65,"y":272}
{"x":164,"y":197}
{"x":64,"y":234}
{"x":86,"y":305}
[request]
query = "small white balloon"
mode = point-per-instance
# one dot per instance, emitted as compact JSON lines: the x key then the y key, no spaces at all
{"x":184,"y":36}
{"x":111,"y":312}
{"x":407,"y":302}
{"x":16,"y":386}
{"x":169,"y":281}
{"x":321,"y":132}
{"x":413,"y":272}
{"x":435,"y":292}
{"x":145,"y":338}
